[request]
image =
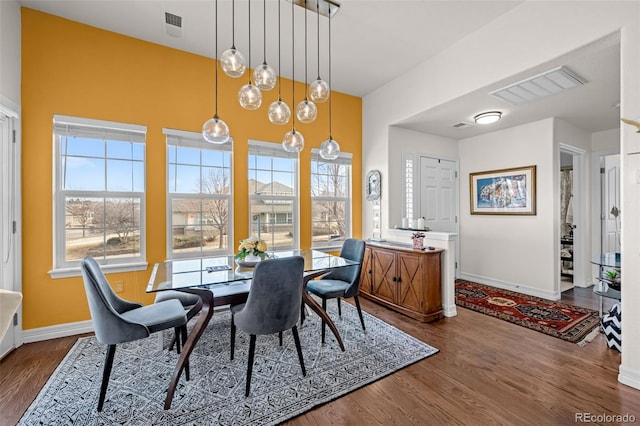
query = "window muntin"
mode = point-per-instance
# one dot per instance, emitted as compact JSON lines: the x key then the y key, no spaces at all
{"x":273,"y":195}
{"x":330,"y":199}
{"x":99,"y":191}
{"x":199,"y":201}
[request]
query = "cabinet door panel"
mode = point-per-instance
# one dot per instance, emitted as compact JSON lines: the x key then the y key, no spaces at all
{"x":366,"y":273}
{"x":383,"y":284}
{"x":411,"y":285}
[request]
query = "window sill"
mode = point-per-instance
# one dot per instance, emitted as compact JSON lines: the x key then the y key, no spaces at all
{"x":107,"y":269}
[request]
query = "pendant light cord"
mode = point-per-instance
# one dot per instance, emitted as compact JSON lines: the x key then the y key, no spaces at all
{"x":233,"y":24}
{"x":249,"y":22}
{"x":330,"y":86}
{"x":293,"y":67}
{"x":318,"y":37}
{"x":279,"y":63}
{"x":264,"y":31}
{"x":215,"y":60}
{"x":305,"y":47}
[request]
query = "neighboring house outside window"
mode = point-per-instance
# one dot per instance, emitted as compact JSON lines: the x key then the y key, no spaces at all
{"x":99,"y":199}
{"x":330,"y":200}
{"x":199,"y":201}
{"x":273,"y":195}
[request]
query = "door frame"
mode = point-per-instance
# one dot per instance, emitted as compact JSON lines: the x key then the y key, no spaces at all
{"x":10,"y":110}
{"x":581,"y":270}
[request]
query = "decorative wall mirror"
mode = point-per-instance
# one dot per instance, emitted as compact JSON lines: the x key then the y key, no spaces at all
{"x":372,"y":185}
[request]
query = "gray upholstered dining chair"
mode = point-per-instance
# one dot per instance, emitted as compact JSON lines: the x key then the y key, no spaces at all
{"x":116,"y":320}
{"x":342,"y":282}
{"x":273,"y":305}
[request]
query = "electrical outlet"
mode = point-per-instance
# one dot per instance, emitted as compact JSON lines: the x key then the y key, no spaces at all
{"x":119,"y":287}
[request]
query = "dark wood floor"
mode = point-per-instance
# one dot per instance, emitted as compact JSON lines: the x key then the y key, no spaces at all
{"x":487,"y":372}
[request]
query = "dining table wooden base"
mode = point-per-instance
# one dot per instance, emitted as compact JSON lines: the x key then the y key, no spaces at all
{"x":206,"y":313}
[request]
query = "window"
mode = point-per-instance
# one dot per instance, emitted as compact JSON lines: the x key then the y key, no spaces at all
{"x":99,"y":192}
{"x":273,"y":189}
{"x":199,"y":202}
{"x":330,"y":199}
{"x":408,"y":178}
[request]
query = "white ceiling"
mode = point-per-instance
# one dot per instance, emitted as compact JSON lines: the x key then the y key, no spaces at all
{"x":373,"y":41}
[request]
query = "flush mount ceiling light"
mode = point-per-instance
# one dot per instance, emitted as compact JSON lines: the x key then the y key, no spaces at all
{"x":488,"y":117}
{"x":539,"y":86}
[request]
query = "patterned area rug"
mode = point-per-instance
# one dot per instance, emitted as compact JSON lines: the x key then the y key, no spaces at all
{"x":567,"y":322}
{"x":215,"y":393}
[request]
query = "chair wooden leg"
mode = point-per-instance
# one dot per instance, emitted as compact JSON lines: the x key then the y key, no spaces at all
{"x":108,"y":363}
{"x":183,"y":333}
{"x":359,"y":311}
{"x":339,"y":307}
{"x":280,"y":337}
{"x":173,"y":339}
{"x":302,"y":313}
{"x":252,"y":349}
{"x":296,"y":339}
{"x":233,"y":337}
{"x":324,"y":325}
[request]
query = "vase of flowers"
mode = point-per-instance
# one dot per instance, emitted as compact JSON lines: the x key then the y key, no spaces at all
{"x":252,"y":250}
{"x":418,"y":239}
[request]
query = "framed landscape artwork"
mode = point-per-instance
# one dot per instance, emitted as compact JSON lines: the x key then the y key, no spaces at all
{"x":506,"y":191}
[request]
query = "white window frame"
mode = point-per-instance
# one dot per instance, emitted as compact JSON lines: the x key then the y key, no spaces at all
{"x":64,"y":126}
{"x":346,"y":159}
{"x":195,"y":140}
{"x":275,"y":150}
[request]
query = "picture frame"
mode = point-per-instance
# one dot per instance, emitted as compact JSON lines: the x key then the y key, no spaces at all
{"x":504,"y":192}
{"x":372,"y":185}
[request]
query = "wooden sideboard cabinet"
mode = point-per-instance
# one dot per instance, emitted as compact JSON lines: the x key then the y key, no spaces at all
{"x":403,"y":279}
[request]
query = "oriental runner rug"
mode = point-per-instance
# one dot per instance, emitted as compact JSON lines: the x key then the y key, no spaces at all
{"x":567,"y":322}
{"x":215,"y":393}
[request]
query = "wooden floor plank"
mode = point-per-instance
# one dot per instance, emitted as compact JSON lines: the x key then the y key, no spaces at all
{"x":488,"y":371}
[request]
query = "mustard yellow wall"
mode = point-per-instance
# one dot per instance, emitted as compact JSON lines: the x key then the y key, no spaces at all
{"x":73,"y":69}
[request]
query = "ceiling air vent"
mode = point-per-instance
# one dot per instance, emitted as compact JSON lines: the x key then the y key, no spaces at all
{"x":173,"y":24}
{"x":539,"y":86}
{"x":462,"y":124}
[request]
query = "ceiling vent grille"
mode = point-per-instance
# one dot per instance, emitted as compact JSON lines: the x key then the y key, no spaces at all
{"x":539,"y":86}
{"x":173,"y":24}
{"x":462,"y":124}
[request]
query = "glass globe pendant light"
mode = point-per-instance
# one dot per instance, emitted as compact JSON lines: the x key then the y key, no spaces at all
{"x":249,"y":96}
{"x":279,"y":112}
{"x":215,"y":130}
{"x":293,"y":141}
{"x":232,"y":60}
{"x":264,"y":76}
{"x":319,"y":89}
{"x":330,"y":149}
{"x":306,"y":111}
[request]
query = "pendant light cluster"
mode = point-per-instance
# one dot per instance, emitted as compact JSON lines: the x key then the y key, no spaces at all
{"x":264,"y":78}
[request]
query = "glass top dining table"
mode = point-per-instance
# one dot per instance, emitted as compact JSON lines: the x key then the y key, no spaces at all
{"x":220,"y":274}
{"x":218,"y":281}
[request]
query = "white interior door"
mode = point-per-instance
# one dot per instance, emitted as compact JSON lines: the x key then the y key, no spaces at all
{"x":8,"y":245}
{"x":611,"y":205}
{"x":438,"y":194}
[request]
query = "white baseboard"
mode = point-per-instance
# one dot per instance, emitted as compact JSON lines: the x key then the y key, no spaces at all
{"x":56,"y":331}
{"x":545,"y":294}
{"x":449,"y":310}
{"x":629,"y":377}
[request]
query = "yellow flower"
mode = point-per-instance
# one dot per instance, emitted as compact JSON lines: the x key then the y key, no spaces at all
{"x":261,"y":246}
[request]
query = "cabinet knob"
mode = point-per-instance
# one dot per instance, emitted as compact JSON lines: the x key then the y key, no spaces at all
{"x":369,"y":270}
{"x":395,"y":279}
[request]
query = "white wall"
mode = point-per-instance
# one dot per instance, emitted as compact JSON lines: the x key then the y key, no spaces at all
{"x":10,"y":52}
{"x":511,"y":251}
{"x":527,"y":36}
